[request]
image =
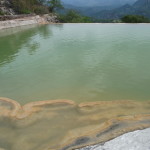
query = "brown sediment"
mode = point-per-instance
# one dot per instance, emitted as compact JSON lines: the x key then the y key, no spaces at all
{"x":65,"y":125}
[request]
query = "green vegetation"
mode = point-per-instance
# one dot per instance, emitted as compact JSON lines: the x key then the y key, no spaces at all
{"x":29,"y":6}
{"x":36,"y":6}
{"x":135,"y":19}
{"x":54,"y":4}
{"x":1,"y":13}
{"x":73,"y":17}
{"x":66,"y":16}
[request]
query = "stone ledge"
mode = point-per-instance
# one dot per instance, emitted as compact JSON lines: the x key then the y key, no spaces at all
{"x":27,"y":20}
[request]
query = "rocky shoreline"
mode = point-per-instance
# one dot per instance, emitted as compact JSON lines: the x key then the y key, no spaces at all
{"x":10,"y":18}
{"x":21,"y":20}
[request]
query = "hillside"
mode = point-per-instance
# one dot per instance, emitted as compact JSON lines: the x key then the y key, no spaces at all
{"x":12,"y":7}
{"x":114,"y":9}
{"x":141,"y":7}
{"x":6,"y":7}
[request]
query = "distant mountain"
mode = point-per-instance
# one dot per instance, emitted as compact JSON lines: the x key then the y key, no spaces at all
{"x":141,"y":7}
{"x":92,"y":8}
{"x":115,"y":13}
{"x":109,"y":9}
{"x":142,"y":3}
{"x":91,"y":3}
{"x":87,"y":11}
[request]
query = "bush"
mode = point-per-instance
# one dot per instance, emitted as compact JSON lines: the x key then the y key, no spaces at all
{"x":1,"y":13}
{"x":135,"y":19}
{"x":25,"y":11}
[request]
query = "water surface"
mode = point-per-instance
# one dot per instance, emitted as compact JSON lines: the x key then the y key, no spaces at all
{"x":81,"y":62}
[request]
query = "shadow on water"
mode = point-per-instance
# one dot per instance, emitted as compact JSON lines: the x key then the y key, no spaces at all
{"x":12,"y":40}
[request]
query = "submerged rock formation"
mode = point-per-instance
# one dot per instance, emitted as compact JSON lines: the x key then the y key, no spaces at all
{"x":65,"y":125}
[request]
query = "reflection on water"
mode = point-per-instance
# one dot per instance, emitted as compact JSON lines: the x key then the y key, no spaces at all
{"x":81,"y":62}
{"x":12,"y":40}
{"x":64,"y":125}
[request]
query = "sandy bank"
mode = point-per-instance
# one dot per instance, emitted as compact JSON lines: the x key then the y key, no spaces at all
{"x":28,"y":21}
{"x":137,"y":140}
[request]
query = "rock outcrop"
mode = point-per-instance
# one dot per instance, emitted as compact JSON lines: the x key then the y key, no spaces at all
{"x":5,"y":8}
{"x":15,"y":21}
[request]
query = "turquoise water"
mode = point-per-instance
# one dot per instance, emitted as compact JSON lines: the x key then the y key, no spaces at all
{"x":81,"y":62}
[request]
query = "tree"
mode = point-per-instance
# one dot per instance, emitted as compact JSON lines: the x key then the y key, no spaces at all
{"x":55,"y":4}
{"x":74,"y":17}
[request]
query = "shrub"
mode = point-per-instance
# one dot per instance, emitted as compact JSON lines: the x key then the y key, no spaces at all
{"x":1,"y":13}
{"x":25,"y":11}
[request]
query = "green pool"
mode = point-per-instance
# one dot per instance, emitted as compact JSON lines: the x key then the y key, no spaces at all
{"x":80,"y":62}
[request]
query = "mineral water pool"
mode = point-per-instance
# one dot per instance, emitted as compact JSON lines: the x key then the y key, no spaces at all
{"x":79,"y":62}
{"x":103,"y":68}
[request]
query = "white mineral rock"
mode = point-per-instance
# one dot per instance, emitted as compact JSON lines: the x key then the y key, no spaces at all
{"x":137,"y":140}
